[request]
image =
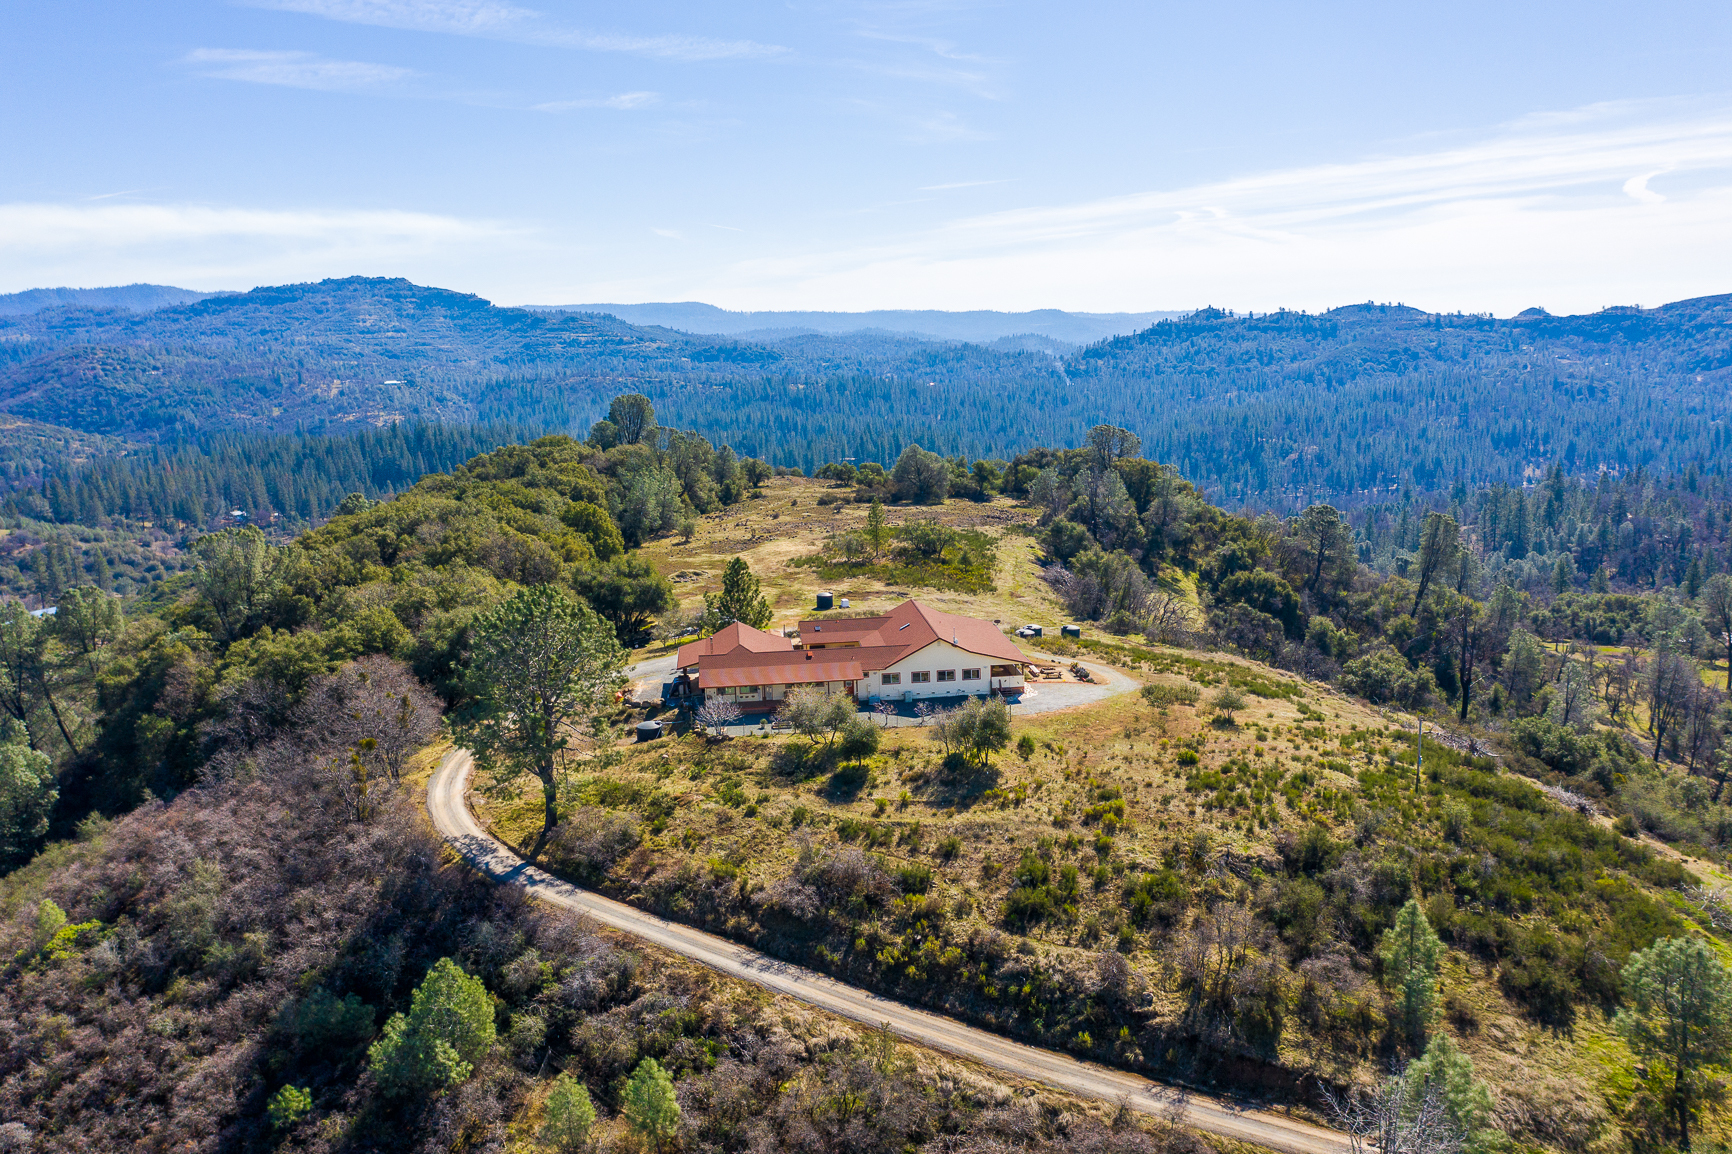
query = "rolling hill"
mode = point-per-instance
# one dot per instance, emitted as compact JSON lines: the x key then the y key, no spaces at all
{"x":1274,"y":410}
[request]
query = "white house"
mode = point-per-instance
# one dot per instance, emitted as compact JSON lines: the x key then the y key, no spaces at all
{"x":911,"y":653}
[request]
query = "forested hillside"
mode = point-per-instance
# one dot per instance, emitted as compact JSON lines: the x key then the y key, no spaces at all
{"x":1263,"y":411}
{"x":226,"y":930}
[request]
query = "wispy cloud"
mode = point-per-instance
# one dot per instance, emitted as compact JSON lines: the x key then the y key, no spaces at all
{"x":1560,"y":210}
{"x":294,"y":69}
{"x":113,"y":195}
{"x":959,"y":184}
{"x":496,"y":20}
{"x":624,"y":102}
{"x":944,"y":128}
{"x":212,"y":246}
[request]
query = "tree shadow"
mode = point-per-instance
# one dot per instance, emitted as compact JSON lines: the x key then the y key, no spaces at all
{"x":846,"y":783}
{"x":801,"y":761}
{"x":960,"y":783}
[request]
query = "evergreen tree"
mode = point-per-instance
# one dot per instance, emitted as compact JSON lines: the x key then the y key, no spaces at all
{"x":27,"y":795}
{"x":567,"y":1115}
{"x":634,"y":418}
{"x":876,"y":531}
{"x":541,"y":664}
{"x":649,"y":1103}
{"x":741,"y":599}
{"x":1444,"y":1069}
{"x":448,"y":1029}
{"x":1679,"y":1019}
{"x":1411,"y":952}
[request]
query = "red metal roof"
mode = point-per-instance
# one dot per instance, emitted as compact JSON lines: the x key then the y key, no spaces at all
{"x":907,"y":629}
{"x":727,"y":640}
{"x":816,"y":670}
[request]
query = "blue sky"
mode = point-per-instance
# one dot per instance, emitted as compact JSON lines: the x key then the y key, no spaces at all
{"x":1483,"y":157}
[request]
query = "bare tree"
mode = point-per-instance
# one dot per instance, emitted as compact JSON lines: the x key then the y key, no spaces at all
{"x":1700,"y":726}
{"x":1170,"y":621}
{"x":1389,"y":1120}
{"x":717,"y":712}
{"x":1573,"y":694}
{"x":372,"y":699}
{"x":1713,"y":904}
{"x":1668,"y":688}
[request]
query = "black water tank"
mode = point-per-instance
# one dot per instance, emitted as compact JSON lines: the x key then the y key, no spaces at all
{"x":826,"y":600}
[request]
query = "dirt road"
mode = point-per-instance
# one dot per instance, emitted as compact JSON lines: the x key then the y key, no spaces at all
{"x":451,"y":815}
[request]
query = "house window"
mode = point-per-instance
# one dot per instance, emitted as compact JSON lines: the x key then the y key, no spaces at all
{"x":947,"y":675}
{"x":920,"y":678}
{"x":971,"y":675}
{"x":890,"y":678}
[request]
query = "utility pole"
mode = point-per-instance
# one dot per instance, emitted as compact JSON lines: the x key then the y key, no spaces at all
{"x":1419,"y":756}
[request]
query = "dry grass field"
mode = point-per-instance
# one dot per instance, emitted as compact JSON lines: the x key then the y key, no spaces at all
{"x":787,"y":523}
{"x":1115,"y":791}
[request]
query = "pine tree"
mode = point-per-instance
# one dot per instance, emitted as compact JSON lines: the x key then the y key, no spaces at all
{"x":1448,"y":1072}
{"x":448,"y":1029}
{"x":649,"y":1103}
{"x":1680,"y":1016}
{"x":567,"y":1115}
{"x":1411,"y":953}
{"x":876,"y":531}
{"x":741,"y":599}
{"x":101,"y":576}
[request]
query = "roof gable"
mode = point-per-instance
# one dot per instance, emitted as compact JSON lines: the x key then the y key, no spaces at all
{"x":909,"y":628}
{"x":738,"y":636}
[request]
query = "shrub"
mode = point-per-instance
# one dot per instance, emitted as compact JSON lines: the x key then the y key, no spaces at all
{"x":1382,"y":677}
{"x":288,"y":1106}
{"x":914,"y":879}
{"x":1311,"y":852}
{"x":1161,"y":696}
{"x":1227,"y":701}
{"x":1155,"y":898}
{"x":325,"y":1024}
{"x":589,"y":840}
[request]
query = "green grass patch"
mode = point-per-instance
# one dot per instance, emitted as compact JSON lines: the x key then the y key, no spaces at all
{"x":964,"y":562}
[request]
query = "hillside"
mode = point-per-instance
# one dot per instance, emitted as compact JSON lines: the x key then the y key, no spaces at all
{"x":1267,"y":411}
{"x":980,"y":326}
{"x":137,"y":297}
{"x":1197,"y":881}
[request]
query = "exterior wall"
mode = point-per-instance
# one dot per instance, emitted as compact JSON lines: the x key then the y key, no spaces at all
{"x":940,"y":655}
{"x":765,"y":695}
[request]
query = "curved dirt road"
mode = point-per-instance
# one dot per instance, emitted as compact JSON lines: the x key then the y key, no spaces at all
{"x":450,"y":813}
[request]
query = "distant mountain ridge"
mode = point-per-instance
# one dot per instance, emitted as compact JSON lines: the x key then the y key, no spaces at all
{"x":978,"y":325}
{"x":1271,"y":410}
{"x":137,"y":297}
